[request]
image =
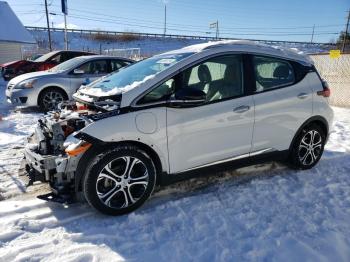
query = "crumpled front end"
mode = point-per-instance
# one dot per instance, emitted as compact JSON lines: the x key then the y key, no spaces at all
{"x":52,"y":153}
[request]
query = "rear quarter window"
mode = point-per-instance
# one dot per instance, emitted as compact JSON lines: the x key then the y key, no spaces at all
{"x":271,"y":73}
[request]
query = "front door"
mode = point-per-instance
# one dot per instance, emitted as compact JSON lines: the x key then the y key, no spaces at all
{"x":219,"y":130}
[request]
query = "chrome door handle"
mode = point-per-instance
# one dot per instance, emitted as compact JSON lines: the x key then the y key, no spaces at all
{"x":241,"y":109}
{"x":303,"y":95}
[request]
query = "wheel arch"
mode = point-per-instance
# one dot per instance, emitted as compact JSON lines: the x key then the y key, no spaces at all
{"x":51,"y":87}
{"x":318,"y":120}
{"x":100,"y":146}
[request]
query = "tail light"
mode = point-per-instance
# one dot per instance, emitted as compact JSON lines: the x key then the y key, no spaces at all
{"x":326,"y":92}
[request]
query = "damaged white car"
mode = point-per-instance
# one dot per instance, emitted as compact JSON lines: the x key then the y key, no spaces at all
{"x":181,"y":114}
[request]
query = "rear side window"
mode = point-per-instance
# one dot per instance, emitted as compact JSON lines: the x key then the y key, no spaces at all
{"x":66,"y":56}
{"x":94,"y":67}
{"x":271,"y":73}
{"x":117,"y":64}
{"x":57,"y":59}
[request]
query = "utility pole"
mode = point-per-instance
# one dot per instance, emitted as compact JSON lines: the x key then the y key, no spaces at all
{"x":346,"y":33}
{"x":65,"y":32}
{"x":313,"y":31}
{"x":48,"y":25}
{"x":64,"y":7}
{"x":164,"y":19}
{"x":217,"y":29}
{"x":216,"y":26}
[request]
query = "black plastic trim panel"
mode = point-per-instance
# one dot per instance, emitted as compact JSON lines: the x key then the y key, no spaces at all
{"x":167,"y":179}
{"x":88,"y":138}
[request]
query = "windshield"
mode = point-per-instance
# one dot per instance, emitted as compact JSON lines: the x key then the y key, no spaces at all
{"x":132,"y":76}
{"x":43,"y":58}
{"x":68,"y":65}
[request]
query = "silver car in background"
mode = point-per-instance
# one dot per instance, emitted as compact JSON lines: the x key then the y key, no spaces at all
{"x":47,"y":89}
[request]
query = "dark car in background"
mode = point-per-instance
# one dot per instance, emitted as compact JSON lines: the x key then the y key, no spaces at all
{"x":15,"y":68}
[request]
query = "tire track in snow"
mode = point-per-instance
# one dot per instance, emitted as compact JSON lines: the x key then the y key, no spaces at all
{"x":242,"y":218}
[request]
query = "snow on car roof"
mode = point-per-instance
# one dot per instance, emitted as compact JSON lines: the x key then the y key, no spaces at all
{"x":248,"y":46}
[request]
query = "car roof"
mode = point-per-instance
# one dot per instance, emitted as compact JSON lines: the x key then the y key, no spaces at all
{"x":88,"y":57}
{"x":249,"y":47}
{"x":72,"y":51}
{"x":66,"y":51}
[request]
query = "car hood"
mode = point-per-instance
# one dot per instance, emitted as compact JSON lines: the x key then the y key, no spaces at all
{"x":12,"y":63}
{"x":27,"y":76}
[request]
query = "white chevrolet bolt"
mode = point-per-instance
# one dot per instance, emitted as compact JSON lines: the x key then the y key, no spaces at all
{"x":180,"y":114}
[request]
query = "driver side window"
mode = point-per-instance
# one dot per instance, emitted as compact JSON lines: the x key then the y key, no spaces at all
{"x":219,"y":78}
{"x":160,"y":93}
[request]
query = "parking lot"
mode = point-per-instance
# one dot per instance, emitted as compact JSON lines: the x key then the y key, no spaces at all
{"x":266,"y":211}
{"x":174,"y":131}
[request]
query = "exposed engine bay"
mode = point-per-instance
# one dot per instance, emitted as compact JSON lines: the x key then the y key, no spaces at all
{"x":53,"y":152}
{"x":55,"y":127}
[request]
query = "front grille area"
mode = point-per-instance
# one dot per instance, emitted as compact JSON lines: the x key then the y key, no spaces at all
{"x":9,"y":86}
{"x":23,"y":99}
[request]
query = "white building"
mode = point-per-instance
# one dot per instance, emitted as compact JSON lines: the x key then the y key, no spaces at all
{"x":13,"y":35}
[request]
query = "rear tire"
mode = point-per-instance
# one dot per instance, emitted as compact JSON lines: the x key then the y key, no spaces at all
{"x":120,"y":180}
{"x":50,"y":98}
{"x":307,"y":148}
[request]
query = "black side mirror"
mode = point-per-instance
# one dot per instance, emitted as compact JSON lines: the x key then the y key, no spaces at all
{"x":186,"y":97}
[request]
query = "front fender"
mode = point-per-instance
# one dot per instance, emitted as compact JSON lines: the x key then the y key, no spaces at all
{"x":144,"y":126}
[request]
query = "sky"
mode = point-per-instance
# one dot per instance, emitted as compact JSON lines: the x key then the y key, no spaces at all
{"x":249,"y":19}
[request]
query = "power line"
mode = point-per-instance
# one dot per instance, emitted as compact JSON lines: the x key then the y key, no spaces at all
{"x":202,"y":27}
{"x":172,"y":28}
{"x":196,"y":31}
{"x":39,"y":19}
{"x":187,"y":26}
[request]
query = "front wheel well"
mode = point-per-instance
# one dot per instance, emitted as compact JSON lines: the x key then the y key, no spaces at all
{"x":88,"y":156}
{"x":149,"y":150}
{"x":51,"y":87}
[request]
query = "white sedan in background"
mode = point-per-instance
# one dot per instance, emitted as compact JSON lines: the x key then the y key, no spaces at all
{"x":47,"y":89}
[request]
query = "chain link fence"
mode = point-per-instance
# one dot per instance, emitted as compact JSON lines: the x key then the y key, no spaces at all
{"x":132,"y":53}
{"x":336,"y":71}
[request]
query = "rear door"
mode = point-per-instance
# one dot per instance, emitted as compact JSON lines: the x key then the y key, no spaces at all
{"x":282,"y":100}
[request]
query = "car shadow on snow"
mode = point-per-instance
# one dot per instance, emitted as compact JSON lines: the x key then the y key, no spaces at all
{"x":179,"y":215}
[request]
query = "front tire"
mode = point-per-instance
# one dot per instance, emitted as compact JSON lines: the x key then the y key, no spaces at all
{"x":120,"y":180}
{"x":307,"y":148}
{"x":50,"y":98}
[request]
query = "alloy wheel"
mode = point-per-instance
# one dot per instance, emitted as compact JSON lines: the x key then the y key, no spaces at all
{"x":122,"y":182}
{"x":310,"y":147}
{"x":51,"y":100}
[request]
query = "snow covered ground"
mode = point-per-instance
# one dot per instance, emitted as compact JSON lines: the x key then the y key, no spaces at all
{"x":14,"y":128}
{"x":264,"y":213}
